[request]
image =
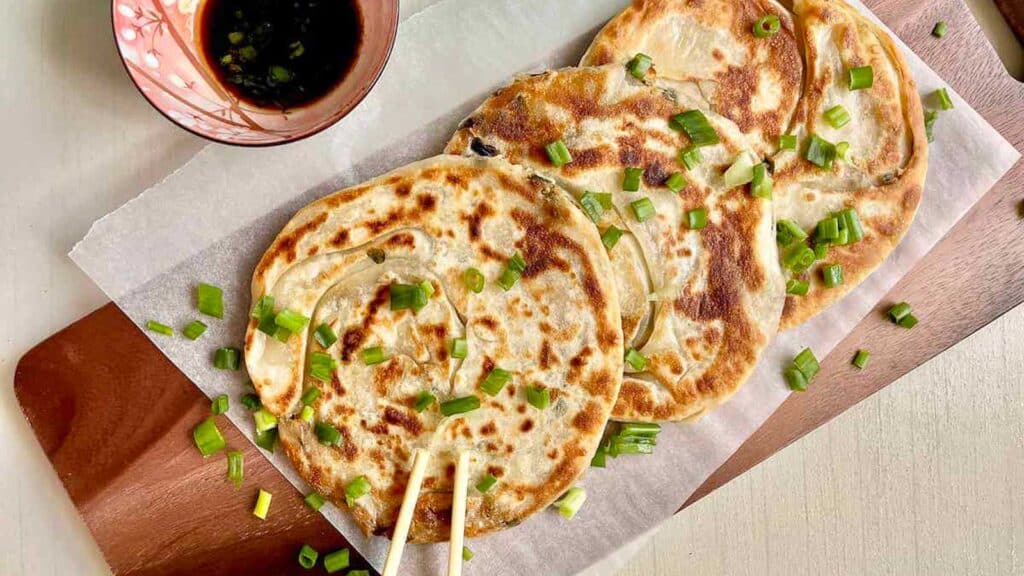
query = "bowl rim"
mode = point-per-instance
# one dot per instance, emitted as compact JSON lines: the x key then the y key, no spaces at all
{"x":345,"y":110}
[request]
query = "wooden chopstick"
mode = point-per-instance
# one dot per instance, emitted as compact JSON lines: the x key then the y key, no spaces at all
{"x":405,"y":514}
{"x":457,"y":538}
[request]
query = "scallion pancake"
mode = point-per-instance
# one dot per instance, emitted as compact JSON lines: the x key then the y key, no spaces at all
{"x":698,"y":305}
{"x":556,"y":328}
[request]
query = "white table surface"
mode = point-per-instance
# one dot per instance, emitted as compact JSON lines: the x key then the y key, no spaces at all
{"x":923,"y":478}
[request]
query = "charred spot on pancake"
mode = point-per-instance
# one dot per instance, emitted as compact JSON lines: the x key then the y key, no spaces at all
{"x":449,"y":470}
{"x":481,"y":212}
{"x":426,"y":202}
{"x":286,"y":244}
{"x":479,"y":147}
{"x":313,"y":250}
{"x":526,"y":425}
{"x":403,"y":190}
{"x":340,"y":238}
{"x":547,"y":355}
{"x":588,"y":420}
{"x":489,"y":429}
{"x":351,"y":341}
{"x":402,"y":419}
{"x":496,"y":471}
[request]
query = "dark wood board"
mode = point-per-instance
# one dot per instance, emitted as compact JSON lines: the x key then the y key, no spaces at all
{"x":114,"y":416}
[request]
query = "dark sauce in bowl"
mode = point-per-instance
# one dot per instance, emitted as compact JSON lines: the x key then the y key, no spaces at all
{"x":280,"y":54}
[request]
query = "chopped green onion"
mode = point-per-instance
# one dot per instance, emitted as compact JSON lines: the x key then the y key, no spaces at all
{"x":741,"y":171}
{"x":210,"y":300}
{"x":474,"y":280}
{"x":696,"y":126}
{"x":337,"y":560}
{"x":908,"y":321}
{"x":635,"y":359}
{"x":559,"y":154}
{"x":194,"y":329}
{"x":325,"y":335}
{"x":787,"y":232}
{"x":631,"y":179}
{"x":495,"y":381}
{"x":513,"y":271}
{"x":236,"y":37}
{"x":314,"y":501}
{"x":262,"y":504}
{"x":691,"y":157}
{"x":631,"y":446}
{"x":828,"y":229}
{"x":428,"y":288}
{"x":942,"y":97}
{"x":308,"y":557}
{"x":571,"y":502}
{"x":264,"y":420}
{"x":861,"y":359}
{"x":467,"y":555}
{"x":861,"y":77}
{"x":643,"y":209}
{"x":227,"y":359}
{"x":236,"y":467}
{"x":374,"y":355}
{"x":358,"y":573}
{"x":322,"y":366}
{"x":290,"y":320}
{"x":487,"y":481}
{"x":424,"y":400}
{"x":208,"y":438}
{"x":327,"y":435}
{"x":407,"y":297}
{"x":798,"y":258}
{"x":251,"y":401}
{"x":841,"y":149}
{"x":797,"y":287}
{"x":639,"y":429}
{"x":159,"y":328}
{"x":377,"y":255}
{"x":610,"y":237}
{"x":767,"y":26}
{"x":832,"y":275}
{"x":795,"y":379}
{"x":459,"y":405}
{"x":220,"y":405}
{"x":356,"y":489}
{"x":807,"y":363}
{"x":820,"y":152}
{"x":267,"y":440}
{"x":787,"y":142}
{"x":459,"y":348}
{"x":837,"y":116}
{"x":762,"y":184}
{"x":940,"y":29}
{"x":696,"y":218}
{"x":592,"y":206}
{"x":600,"y":458}
{"x":930,"y":116}
{"x":676,"y":182}
{"x":639,"y":65}
{"x":263,"y":307}
{"x":539,"y":398}
{"x":821,"y":251}
{"x":899,"y":311}
{"x":853,"y":225}
{"x":310,"y":396}
{"x":307,"y":414}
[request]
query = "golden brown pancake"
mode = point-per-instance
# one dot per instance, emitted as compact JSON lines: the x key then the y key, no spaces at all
{"x":699,"y":305}
{"x":556,"y":329}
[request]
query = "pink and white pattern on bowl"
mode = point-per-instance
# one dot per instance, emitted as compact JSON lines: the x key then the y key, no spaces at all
{"x":160,"y":49}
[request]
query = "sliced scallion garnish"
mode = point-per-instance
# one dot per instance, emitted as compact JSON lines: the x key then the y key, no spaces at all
{"x":356,"y":489}
{"x":154,"y":326}
{"x":861,"y":359}
{"x":474,"y":280}
{"x":314,"y":500}
{"x":325,"y":335}
{"x":767,"y":26}
{"x":558,"y":153}
{"x":227,"y":359}
{"x":210,"y":300}
{"x":424,"y":400}
{"x":336,"y":561}
{"x":697,"y":218}
{"x":374,"y":355}
{"x":643,"y":209}
{"x":459,"y":348}
{"x":208,"y":438}
{"x":236,"y":467}
{"x":610,"y":237}
{"x":631,"y":179}
{"x":762,"y":183}
{"x":495,"y":381}
{"x":262,"y":504}
{"x":571,"y":502}
{"x":327,"y":435}
{"x":696,"y":126}
{"x":539,"y":398}
{"x":861,"y":77}
{"x":639,"y":65}
{"x":676,"y":182}
{"x":486,"y":482}
{"x":832,"y":275}
{"x":194,"y":329}
{"x":308,"y":556}
{"x":837,"y":116}
{"x":220,"y":405}
{"x":636,"y":360}
{"x":459,"y":405}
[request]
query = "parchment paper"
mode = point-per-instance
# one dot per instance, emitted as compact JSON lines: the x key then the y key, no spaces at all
{"x":211,"y":220}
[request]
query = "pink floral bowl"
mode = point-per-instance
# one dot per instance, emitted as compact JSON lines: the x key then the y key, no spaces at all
{"x":159,"y":46}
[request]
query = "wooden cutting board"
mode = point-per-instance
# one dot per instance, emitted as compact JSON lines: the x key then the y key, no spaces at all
{"x":114,"y":416}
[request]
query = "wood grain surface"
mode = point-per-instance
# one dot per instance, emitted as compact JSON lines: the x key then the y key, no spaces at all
{"x":92,"y":404}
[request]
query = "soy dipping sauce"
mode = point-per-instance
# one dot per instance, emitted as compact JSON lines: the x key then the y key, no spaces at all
{"x":280,"y":54}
